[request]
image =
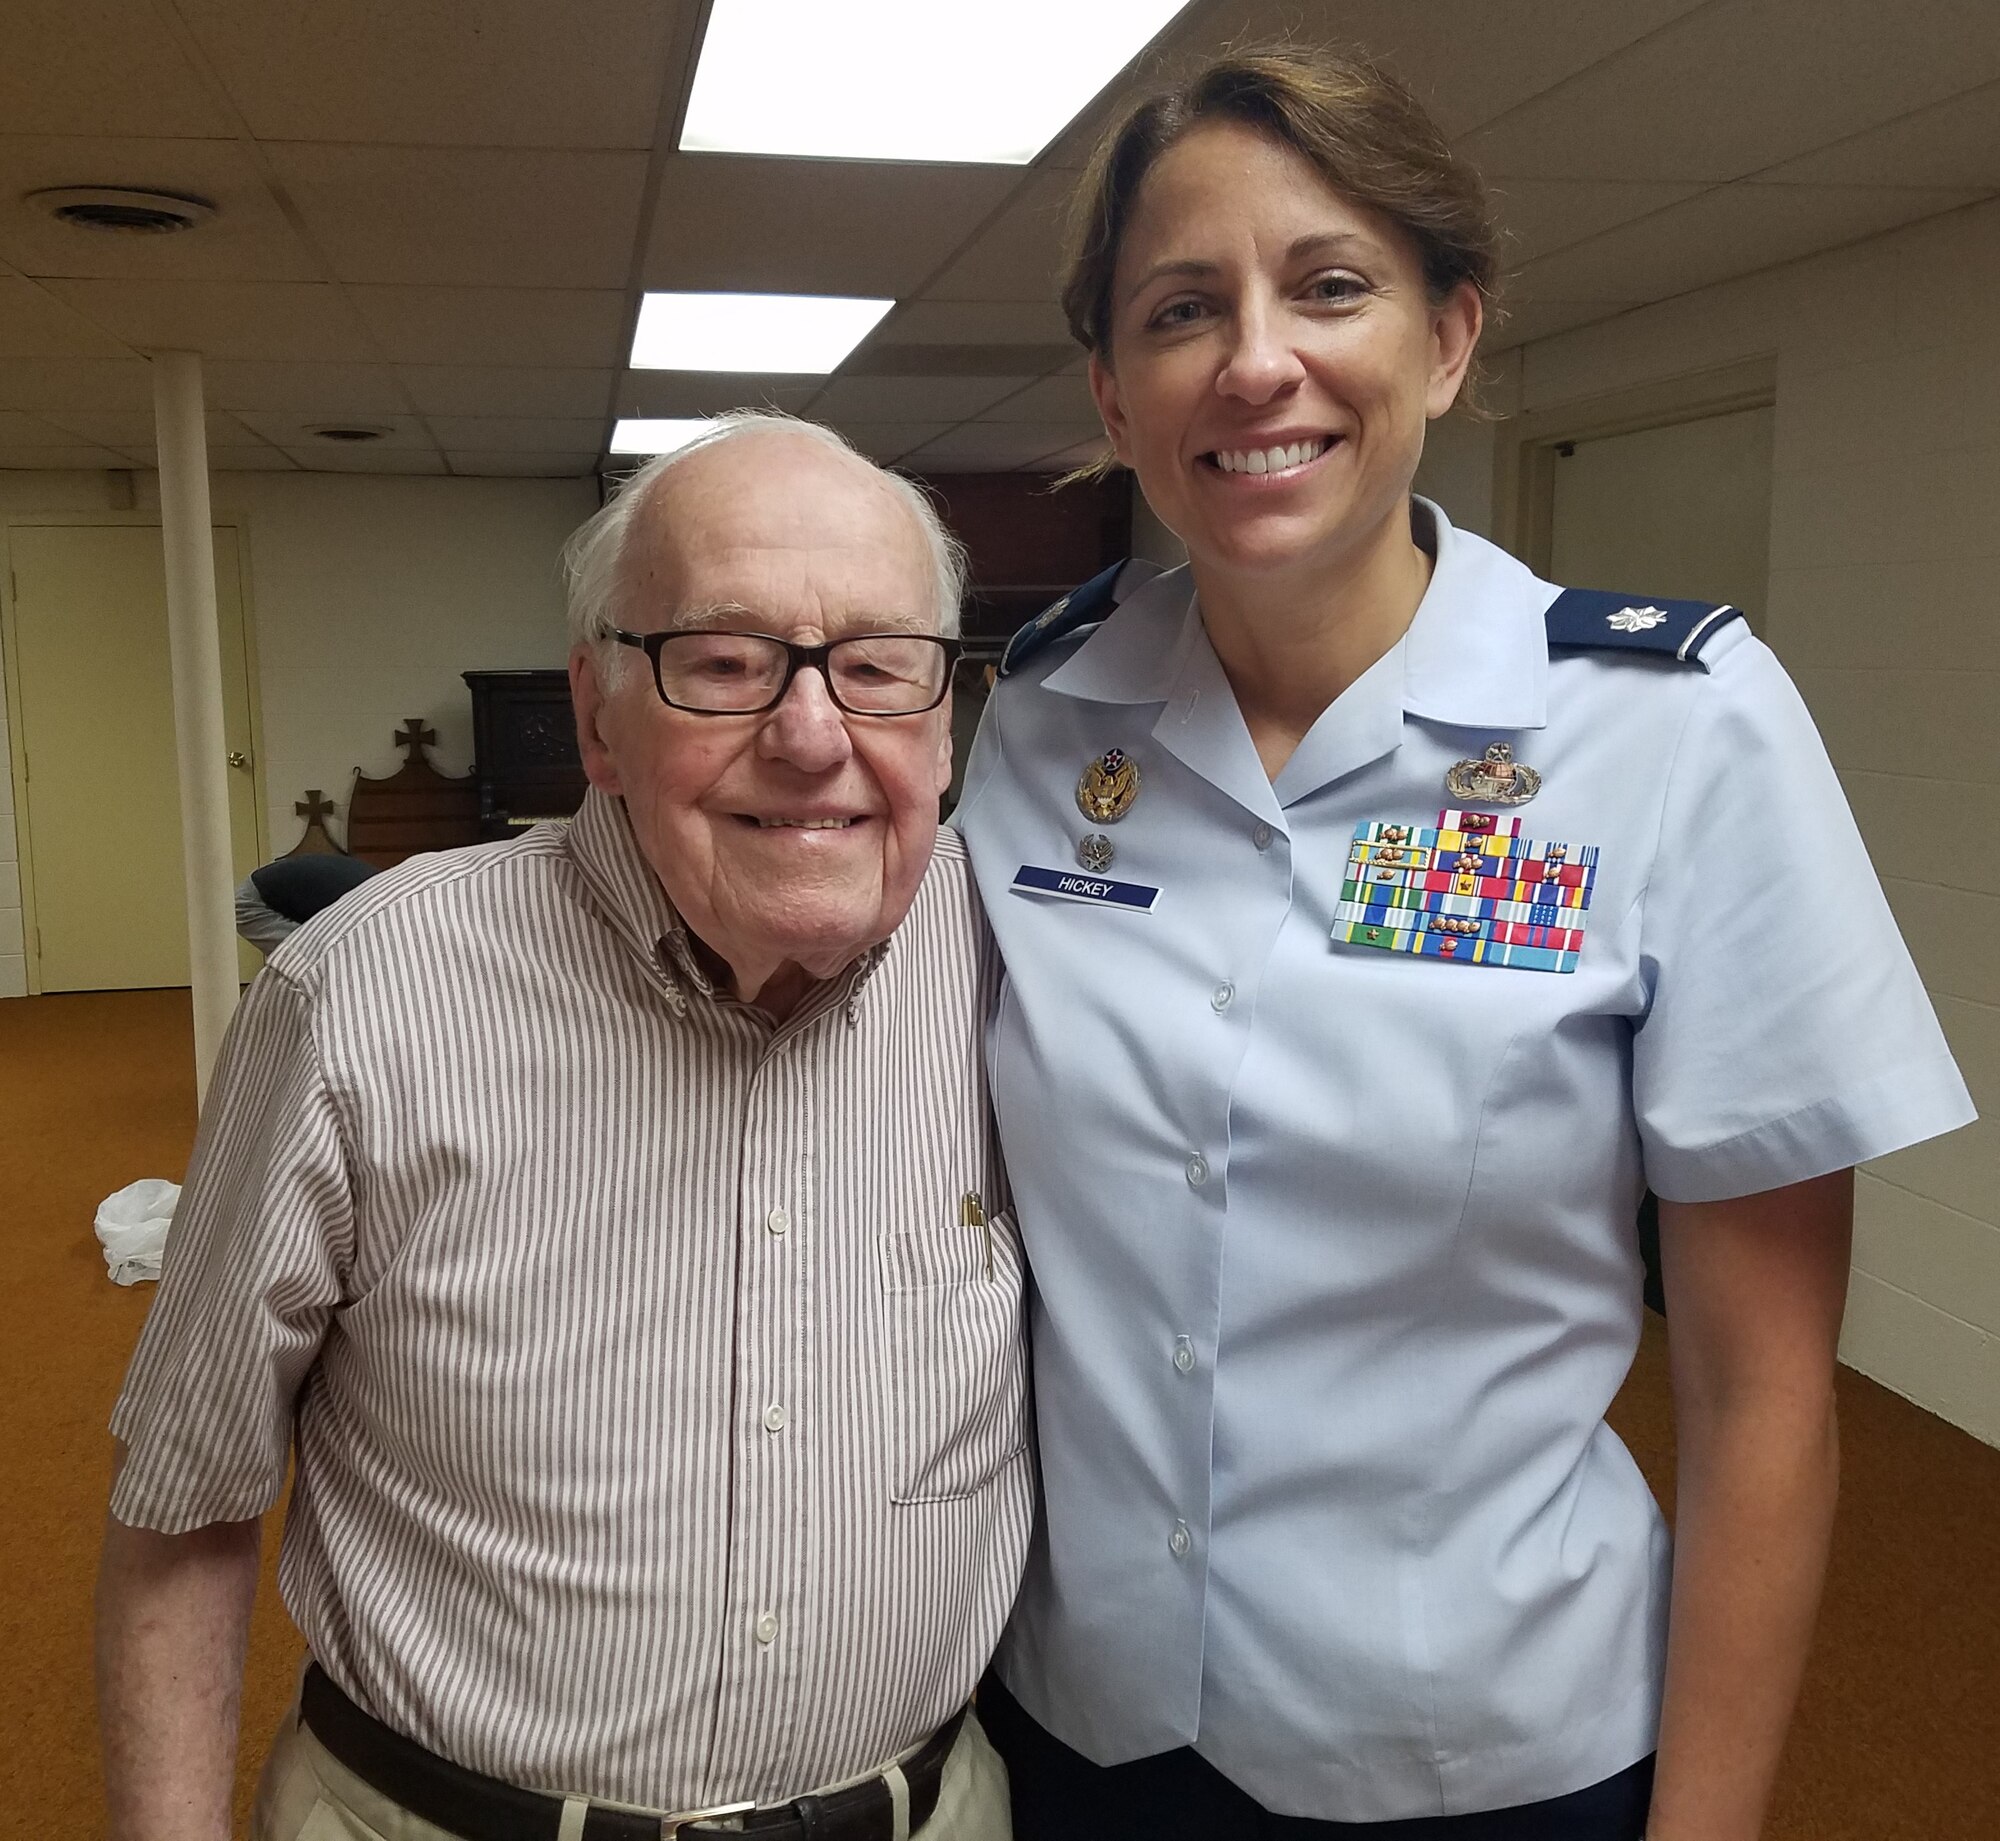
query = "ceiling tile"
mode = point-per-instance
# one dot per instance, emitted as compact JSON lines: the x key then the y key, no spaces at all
{"x":1529,"y":320}
{"x":98,"y":67}
{"x":75,"y":383}
{"x":321,"y":391}
{"x":509,"y":326}
{"x":293,"y":433}
{"x":1954,"y":143}
{"x":248,"y":239}
{"x":35,"y":323}
{"x":440,"y":73}
{"x":381,"y":459}
{"x":484,"y":389}
{"x":1729,"y":230}
{"x":458,"y":216}
{"x":18,"y":430}
{"x":909,"y":399}
{"x":878,"y":230}
{"x":223,"y":319}
{"x":930,"y":321}
{"x":1017,"y":257}
{"x":887,"y":441}
{"x":1019,"y":363}
{"x":707,"y":393}
{"x":1541,"y":215}
{"x":530,"y":434}
{"x":61,"y":459}
{"x":1054,"y":399}
{"x":1740,"y":85}
{"x":135,"y":429}
{"x":995,"y":444}
{"x":232,"y":459}
{"x":522,"y":463}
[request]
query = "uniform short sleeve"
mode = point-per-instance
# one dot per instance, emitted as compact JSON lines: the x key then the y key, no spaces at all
{"x":1788,"y":1034}
{"x":252,"y":1271}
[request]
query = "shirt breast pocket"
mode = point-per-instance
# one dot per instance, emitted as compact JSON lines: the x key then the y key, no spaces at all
{"x":954,"y":1356}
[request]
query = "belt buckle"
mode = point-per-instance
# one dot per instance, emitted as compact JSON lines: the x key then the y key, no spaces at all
{"x":671,"y":1825}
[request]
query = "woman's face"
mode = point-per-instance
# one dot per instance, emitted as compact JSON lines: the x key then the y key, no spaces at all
{"x":1273,"y":357}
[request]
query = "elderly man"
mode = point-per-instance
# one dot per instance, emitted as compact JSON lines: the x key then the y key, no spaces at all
{"x":611,"y":1219}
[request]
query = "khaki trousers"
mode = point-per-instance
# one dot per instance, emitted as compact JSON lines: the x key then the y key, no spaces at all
{"x":307,"y":1794}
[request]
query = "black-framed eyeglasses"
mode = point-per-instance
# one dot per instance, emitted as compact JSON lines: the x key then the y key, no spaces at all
{"x":743,"y":674}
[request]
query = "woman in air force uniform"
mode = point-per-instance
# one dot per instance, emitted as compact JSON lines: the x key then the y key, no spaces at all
{"x":1381,"y":921}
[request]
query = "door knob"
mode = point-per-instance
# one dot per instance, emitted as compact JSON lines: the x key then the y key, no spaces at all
{"x":237,"y":758}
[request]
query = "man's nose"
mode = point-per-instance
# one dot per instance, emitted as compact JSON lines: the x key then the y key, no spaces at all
{"x":1262,"y":359}
{"x":807,"y":729}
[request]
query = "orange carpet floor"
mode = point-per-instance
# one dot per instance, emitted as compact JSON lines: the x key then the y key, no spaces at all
{"x":1898,"y":1737}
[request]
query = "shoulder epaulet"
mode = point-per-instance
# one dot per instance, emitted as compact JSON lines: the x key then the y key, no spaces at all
{"x":1081,"y":607}
{"x":1636,"y":623}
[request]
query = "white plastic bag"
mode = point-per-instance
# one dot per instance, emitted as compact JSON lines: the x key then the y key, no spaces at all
{"x":132,"y":1228}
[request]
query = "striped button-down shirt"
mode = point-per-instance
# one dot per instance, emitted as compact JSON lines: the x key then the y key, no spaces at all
{"x":655,"y":1371}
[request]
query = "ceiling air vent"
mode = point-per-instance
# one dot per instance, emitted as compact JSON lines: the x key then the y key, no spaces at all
{"x":347,"y":432}
{"x":127,"y":210}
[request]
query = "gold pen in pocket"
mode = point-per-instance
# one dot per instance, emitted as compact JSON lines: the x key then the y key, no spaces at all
{"x":972,"y":1213}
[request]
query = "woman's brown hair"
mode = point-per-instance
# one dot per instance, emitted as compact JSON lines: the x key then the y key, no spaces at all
{"x":1359,"y":128}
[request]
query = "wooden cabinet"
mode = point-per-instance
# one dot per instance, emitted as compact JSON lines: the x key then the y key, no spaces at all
{"x":525,"y":757}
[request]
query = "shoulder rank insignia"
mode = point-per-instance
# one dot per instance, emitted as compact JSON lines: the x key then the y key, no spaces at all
{"x":1594,"y":617}
{"x":1079,"y":608}
{"x":1471,"y":889}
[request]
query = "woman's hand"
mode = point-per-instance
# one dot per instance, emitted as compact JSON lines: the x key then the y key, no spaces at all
{"x":1755,"y":1291}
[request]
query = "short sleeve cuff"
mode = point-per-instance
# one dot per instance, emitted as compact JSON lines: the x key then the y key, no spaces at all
{"x":1886,"y":1112}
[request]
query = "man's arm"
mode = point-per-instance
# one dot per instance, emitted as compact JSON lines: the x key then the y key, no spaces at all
{"x":1755,"y":1290}
{"x":173,"y":1621}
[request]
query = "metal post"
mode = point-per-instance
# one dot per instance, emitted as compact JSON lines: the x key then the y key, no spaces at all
{"x":198,"y":727}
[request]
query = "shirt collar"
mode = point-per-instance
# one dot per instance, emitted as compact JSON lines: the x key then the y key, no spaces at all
{"x":1476,"y":654}
{"x":601,"y":844}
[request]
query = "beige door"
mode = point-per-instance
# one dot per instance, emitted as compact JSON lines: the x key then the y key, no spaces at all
{"x":101,"y":838}
{"x":1682,"y":511}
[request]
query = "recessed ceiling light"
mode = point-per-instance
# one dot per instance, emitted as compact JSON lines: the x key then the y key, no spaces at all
{"x":347,"y":432}
{"x":985,"y":81}
{"x":807,"y":334}
{"x":127,"y":209}
{"x":639,"y":436}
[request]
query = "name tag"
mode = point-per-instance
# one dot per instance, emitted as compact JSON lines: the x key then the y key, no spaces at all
{"x":1079,"y":885}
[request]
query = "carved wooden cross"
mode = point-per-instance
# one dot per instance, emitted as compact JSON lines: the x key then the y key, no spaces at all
{"x":414,"y":736}
{"x":315,"y":808}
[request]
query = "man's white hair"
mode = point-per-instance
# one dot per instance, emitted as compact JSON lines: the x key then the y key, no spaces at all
{"x":594,"y":557}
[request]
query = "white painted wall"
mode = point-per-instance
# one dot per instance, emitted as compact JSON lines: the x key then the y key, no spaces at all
{"x":1885,"y":604}
{"x":370,"y":596}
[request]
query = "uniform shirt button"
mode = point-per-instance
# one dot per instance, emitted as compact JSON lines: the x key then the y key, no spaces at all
{"x":774,"y":1417}
{"x":767,"y":1627}
{"x":1261,"y":835}
{"x":778,"y":1220}
{"x":1197,"y":1170}
{"x":1180,"y":1541}
{"x":1184,"y":1354}
{"x":1222,"y":996}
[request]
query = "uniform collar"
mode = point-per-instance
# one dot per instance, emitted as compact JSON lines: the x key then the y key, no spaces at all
{"x":1476,"y":655}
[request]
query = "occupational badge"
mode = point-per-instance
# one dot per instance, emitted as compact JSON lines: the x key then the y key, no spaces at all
{"x":1109,"y":785}
{"x":1636,"y":619}
{"x":1497,"y":779}
{"x":1095,"y":853}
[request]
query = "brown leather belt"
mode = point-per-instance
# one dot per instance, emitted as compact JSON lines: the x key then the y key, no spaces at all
{"x":485,"y":1809}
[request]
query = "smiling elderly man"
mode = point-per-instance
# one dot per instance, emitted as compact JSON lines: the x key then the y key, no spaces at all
{"x":612,"y":1220}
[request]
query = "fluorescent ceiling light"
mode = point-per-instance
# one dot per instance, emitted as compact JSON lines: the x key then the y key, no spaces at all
{"x":654,"y":437}
{"x":987,"y":81}
{"x":757,"y":333}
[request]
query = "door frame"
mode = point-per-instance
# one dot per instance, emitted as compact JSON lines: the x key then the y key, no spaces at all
{"x":17,"y":764}
{"x":1525,"y":448}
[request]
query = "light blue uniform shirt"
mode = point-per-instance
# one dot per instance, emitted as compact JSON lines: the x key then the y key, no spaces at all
{"x":1334,"y":1248}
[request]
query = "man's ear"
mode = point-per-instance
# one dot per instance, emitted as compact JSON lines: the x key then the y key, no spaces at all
{"x":591,"y":701}
{"x":944,"y":747}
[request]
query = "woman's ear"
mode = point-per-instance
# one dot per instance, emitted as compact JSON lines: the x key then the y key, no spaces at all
{"x":1110,"y":408}
{"x":1455,"y":328}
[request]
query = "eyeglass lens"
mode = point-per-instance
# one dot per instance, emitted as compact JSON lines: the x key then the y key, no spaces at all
{"x":882,"y":674}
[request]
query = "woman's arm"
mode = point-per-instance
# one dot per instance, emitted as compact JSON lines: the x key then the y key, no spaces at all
{"x":1755,"y":1289}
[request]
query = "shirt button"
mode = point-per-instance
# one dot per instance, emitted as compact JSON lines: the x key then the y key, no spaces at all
{"x":1197,"y":1170}
{"x":778,"y":1220}
{"x":767,"y":1627}
{"x":1180,"y":1541}
{"x":1222,"y":995}
{"x":1261,"y":835}
{"x":1183,"y":1354}
{"x":774,"y":1417}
